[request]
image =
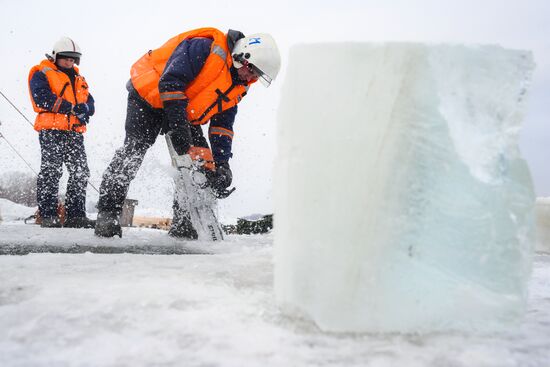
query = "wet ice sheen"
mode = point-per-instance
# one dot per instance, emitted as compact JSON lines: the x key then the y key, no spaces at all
{"x":402,"y":201}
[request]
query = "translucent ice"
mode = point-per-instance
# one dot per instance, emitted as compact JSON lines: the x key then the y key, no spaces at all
{"x":542,"y":210}
{"x":402,"y":202}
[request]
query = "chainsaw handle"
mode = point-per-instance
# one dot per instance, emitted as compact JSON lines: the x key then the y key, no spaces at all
{"x":222,"y":194}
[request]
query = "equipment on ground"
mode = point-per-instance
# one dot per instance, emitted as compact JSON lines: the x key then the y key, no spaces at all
{"x":61,"y":213}
{"x":261,"y":225}
{"x":127,"y":215}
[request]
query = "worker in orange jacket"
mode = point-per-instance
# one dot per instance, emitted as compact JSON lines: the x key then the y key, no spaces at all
{"x":195,"y":78}
{"x":63,"y":103}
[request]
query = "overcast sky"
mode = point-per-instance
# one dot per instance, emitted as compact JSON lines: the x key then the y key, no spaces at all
{"x":114,"y":34}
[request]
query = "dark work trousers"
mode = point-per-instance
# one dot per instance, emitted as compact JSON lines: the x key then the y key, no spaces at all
{"x":58,"y":147}
{"x":143,"y":125}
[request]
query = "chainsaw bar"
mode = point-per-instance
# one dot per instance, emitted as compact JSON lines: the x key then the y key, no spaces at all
{"x":194,"y":195}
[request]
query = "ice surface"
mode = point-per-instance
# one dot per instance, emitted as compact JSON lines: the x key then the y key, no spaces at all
{"x":210,"y":310}
{"x":402,"y":202}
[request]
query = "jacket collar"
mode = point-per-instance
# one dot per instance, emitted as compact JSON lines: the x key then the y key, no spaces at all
{"x":51,"y":65}
{"x":232,"y":37}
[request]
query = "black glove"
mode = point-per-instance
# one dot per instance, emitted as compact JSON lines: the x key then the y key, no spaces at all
{"x":175,"y":116}
{"x":221,"y":178}
{"x":81,"y":111}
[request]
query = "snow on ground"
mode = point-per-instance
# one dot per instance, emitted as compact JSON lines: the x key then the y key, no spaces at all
{"x":209,"y":310}
{"x":10,"y":211}
{"x":16,"y":239}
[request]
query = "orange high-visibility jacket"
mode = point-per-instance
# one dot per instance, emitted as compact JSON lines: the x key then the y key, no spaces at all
{"x":211,"y":92}
{"x":60,"y":85}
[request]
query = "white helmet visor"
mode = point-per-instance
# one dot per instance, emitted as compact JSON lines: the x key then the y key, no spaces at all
{"x":262,"y":77}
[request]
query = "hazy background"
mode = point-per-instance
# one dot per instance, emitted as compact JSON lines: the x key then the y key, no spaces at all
{"x":114,"y":34}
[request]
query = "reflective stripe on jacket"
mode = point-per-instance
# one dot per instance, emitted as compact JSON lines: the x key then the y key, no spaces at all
{"x":60,"y":85}
{"x":212,"y":91}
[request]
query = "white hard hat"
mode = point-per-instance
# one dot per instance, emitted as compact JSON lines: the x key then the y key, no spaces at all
{"x":259,"y":51}
{"x":66,"y":47}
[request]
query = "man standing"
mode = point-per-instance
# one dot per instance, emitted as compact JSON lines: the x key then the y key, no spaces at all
{"x":194,"y":78}
{"x":60,"y":96}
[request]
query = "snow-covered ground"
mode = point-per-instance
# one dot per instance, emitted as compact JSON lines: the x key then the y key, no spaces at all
{"x":207,"y":310}
{"x":12,"y":212}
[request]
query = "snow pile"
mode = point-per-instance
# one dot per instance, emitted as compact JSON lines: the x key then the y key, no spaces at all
{"x":402,"y":202}
{"x":11,"y":211}
{"x":543,"y":224}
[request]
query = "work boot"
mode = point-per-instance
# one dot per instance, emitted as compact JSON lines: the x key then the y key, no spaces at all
{"x":79,"y":222}
{"x":50,"y":222}
{"x":108,"y":224}
{"x":182,"y":228}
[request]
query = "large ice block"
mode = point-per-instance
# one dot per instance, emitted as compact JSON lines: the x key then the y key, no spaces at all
{"x":542,"y":210}
{"x":401,"y":200}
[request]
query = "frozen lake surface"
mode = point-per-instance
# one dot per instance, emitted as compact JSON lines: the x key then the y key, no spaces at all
{"x":208,"y":310}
